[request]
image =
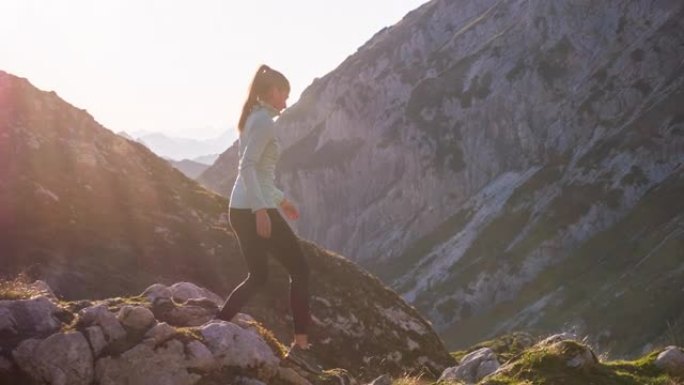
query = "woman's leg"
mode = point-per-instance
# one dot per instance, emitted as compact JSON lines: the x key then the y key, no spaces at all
{"x":285,"y":247}
{"x":254,"y":249}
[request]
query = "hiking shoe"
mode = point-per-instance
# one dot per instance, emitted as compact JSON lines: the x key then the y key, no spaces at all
{"x":304,"y":358}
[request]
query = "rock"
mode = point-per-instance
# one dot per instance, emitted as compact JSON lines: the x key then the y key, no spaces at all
{"x":557,"y":338}
{"x":474,"y":366}
{"x":160,"y":333}
{"x":183,"y":291}
{"x":136,"y":317}
{"x":200,"y":356}
{"x":382,"y":380}
{"x":291,"y":376}
{"x":144,"y":364}
{"x":29,"y":317}
{"x":61,"y":359}
{"x":247,"y":381}
{"x":101,"y":316}
{"x":193,"y":312}
{"x":190,"y":315}
{"x":156,"y":291}
{"x":576,"y":355}
{"x":671,"y":360}
{"x":235,"y":346}
{"x":96,"y":338}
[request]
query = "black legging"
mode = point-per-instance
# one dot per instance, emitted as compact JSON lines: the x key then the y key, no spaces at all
{"x":284,"y":246}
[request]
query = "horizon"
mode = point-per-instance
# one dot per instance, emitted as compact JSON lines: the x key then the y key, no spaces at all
{"x":180,"y":70}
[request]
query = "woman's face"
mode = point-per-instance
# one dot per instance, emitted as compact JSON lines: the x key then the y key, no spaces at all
{"x":278,"y":98}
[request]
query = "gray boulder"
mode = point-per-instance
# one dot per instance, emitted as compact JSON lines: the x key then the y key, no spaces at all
{"x":61,"y":359}
{"x":237,"y":347}
{"x":144,"y":364}
{"x":101,"y":316}
{"x":180,"y":292}
{"x":136,"y":317}
{"x":473,"y":367}
{"x":96,"y":338}
{"x":160,"y":333}
{"x":671,"y":360}
{"x":29,"y":317}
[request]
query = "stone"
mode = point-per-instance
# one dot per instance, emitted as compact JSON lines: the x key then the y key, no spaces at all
{"x":136,"y":317}
{"x":29,"y":317}
{"x":101,"y":316}
{"x":156,"y":291}
{"x":60,"y":359}
{"x":557,"y":338}
{"x":144,"y":364}
{"x":671,"y":360}
{"x":200,"y":356}
{"x":190,"y":315}
{"x":96,"y":338}
{"x":473,"y":367}
{"x":183,"y":291}
{"x":291,"y":376}
{"x":235,"y":346}
{"x":160,"y":333}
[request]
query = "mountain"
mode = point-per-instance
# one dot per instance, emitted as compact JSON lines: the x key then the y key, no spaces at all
{"x":96,"y":215}
{"x":186,"y":148}
{"x":125,"y":135}
{"x":221,"y":179}
{"x":206,"y":159}
{"x":504,"y":165}
{"x":190,"y":168}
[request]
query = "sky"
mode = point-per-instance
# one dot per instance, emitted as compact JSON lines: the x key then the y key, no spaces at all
{"x":181,"y":68}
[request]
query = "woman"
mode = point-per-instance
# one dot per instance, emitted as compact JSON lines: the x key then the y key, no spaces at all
{"x":254,"y":202}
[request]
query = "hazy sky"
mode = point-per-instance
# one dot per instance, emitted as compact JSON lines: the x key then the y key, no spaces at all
{"x":180,"y":67}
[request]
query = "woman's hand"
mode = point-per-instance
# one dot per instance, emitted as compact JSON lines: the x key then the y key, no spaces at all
{"x":263,"y":223}
{"x":289,"y":209}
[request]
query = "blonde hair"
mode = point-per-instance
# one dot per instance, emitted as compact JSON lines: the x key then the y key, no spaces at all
{"x":264,"y":79}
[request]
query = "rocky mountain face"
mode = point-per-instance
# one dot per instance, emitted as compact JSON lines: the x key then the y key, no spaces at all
{"x":221,"y":178}
{"x":96,"y":215}
{"x":505,"y":164}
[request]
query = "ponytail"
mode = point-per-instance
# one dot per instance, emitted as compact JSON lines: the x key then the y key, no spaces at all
{"x":263,"y":80}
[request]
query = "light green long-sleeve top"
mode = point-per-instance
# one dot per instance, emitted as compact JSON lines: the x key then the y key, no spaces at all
{"x":258,"y":153}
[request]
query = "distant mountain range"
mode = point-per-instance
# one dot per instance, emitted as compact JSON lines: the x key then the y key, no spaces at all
{"x":204,"y":151}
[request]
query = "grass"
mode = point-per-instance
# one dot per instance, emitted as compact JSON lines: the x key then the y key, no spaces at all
{"x":18,"y":288}
{"x":547,"y":365}
{"x":270,"y":339}
{"x":506,"y":346}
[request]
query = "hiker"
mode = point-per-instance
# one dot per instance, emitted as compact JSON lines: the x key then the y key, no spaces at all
{"x":254,"y":202}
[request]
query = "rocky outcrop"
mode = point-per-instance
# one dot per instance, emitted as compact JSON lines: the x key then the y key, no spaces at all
{"x":63,"y":358}
{"x":503,"y":157}
{"x":124,"y":340}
